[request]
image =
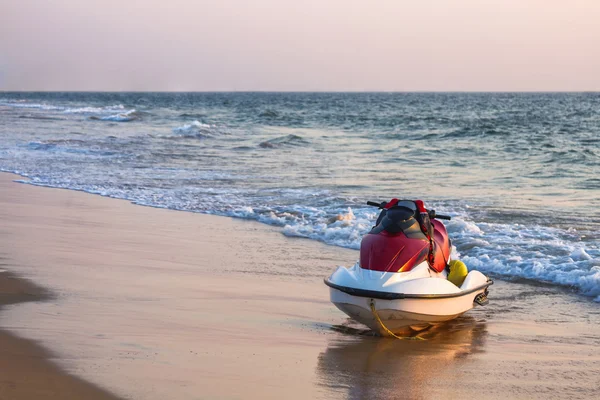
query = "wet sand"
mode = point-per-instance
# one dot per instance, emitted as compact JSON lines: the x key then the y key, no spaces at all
{"x":153,"y":304}
{"x":25,"y":370}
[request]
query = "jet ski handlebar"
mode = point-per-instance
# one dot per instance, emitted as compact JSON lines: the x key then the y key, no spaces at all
{"x":378,"y":205}
{"x":432,"y":213}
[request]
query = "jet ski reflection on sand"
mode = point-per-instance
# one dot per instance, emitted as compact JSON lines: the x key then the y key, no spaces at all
{"x":405,"y":280}
{"x":359,"y":366}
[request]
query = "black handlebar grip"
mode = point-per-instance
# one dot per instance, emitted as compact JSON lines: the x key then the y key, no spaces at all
{"x":438,"y":216}
{"x":372,"y":203}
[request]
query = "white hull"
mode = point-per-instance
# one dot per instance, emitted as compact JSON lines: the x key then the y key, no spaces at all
{"x":429,"y":297}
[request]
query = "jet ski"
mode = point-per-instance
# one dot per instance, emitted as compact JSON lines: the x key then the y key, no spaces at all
{"x":405,"y":280}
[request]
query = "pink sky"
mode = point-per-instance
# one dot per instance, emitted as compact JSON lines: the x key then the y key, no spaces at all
{"x":304,"y":45}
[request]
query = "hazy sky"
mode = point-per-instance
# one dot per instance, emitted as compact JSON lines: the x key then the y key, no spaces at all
{"x":304,"y":45}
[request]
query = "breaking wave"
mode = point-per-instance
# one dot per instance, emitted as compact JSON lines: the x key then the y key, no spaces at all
{"x":197,"y":130}
{"x":119,"y":117}
{"x":128,"y":116}
{"x":540,"y":253}
{"x":95,"y":110}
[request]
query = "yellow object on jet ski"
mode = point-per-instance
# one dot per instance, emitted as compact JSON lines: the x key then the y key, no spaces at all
{"x":458,"y":272}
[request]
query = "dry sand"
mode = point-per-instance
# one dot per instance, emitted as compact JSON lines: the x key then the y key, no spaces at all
{"x":156,"y":304}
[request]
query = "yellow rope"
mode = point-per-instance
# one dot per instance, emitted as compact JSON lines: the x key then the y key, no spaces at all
{"x":386,"y":330}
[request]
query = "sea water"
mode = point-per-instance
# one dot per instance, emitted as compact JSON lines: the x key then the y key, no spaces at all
{"x":518,"y":172}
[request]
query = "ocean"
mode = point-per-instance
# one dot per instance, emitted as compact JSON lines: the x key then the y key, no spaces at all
{"x":518,"y":172}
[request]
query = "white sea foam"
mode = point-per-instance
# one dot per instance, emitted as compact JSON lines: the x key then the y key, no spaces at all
{"x":194,"y":129}
{"x":342,"y":229}
{"x":65,"y":110}
{"x":511,"y":251}
{"x":541,"y":253}
{"x":579,"y":254}
{"x":191,"y":127}
{"x":538,"y":253}
{"x":95,"y":110}
{"x":121,"y":117}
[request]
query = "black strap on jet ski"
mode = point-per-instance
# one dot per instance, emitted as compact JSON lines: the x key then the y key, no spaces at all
{"x":427,"y":229}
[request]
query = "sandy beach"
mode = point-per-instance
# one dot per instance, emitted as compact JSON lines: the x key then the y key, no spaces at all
{"x":151,"y":303}
{"x":26,"y":372}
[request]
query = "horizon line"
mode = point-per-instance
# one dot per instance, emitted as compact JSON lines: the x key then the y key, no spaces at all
{"x":305,"y":91}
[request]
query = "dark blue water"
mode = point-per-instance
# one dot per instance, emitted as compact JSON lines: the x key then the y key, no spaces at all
{"x":519,"y":172}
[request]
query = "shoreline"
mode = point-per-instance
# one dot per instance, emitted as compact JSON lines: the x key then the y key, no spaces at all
{"x":152,"y":303}
{"x":53,"y":229}
{"x":28,"y":371}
